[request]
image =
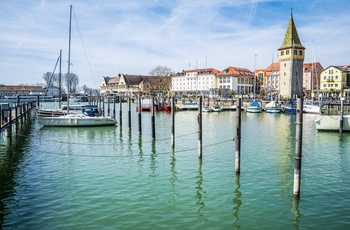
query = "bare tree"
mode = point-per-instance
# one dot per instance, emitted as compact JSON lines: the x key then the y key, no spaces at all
{"x":72,"y":81}
{"x":161,"y":71}
{"x":49,"y":78}
{"x":161,"y":81}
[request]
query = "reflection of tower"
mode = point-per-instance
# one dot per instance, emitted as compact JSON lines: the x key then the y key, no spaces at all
{"x":291,"y":58}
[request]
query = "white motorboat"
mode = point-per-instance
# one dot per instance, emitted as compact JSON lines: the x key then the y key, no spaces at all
{"x":311,"y":108}
{"x":217,"y":108}
{"x":330,"y":118}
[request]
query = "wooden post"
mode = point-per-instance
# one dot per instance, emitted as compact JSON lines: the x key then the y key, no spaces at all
{"x":38,"y":101}
{"x":238,"y":136}
{"x":16,"y":118}
{"x":298,"y":147}
{"x":120,"y":112}
{"x":108,"y":106}
{"x":199,"y":118}
{"x":139,"y":114}
{"x":114,"y":107}
{"x":172,"y":121}
{"x":129,"y":113}
{"x":153,"y":120}
{"x":341,"y":115}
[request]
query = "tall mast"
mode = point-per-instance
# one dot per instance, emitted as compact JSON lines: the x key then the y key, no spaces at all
{"x":254,"y":78}
{"x":312,"y":68}
{"x":59,"y":81}
{"x":70,"y":29}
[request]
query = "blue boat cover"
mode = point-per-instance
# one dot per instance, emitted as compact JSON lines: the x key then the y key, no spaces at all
{"x":255,"y":103}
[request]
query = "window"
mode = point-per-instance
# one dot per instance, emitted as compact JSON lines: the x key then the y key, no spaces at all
{"x":282,"y":53}
{"x":324,"y":85}
{"x":324,"y":78}
{"x":336,"y":77}
{"x":287,"y":52}
{"x":300,"y":52}
{"x":295,"y":52}
{"x":336,"y":85}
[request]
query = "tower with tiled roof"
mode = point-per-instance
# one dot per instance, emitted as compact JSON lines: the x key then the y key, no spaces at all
{"x":291,"y":58}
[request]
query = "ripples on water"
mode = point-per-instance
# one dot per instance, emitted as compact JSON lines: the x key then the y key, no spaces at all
{"x":112,"y":178}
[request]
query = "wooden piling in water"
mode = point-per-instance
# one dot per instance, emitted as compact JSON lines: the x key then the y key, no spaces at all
{"x":153,"y":120}
{"x":298,"y":147}
{"x":199,"y":118}
{"x":341,"y":115}
{"x":108,"y":106}
{"x":172,"y":121}
{"x":120,"y":112}
{"x":139,"y":114}
{"x":238,"y":136}
{"x":114,"y":114}
{"x":129,"y":113}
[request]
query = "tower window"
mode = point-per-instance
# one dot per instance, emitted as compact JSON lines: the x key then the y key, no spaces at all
{"x":282,"y":53}
{"x":295,"y":52}
{"x":287,"y":52}
{"x":300,"y":52}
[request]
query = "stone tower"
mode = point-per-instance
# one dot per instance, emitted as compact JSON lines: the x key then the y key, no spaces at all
{"x":291,"y":57}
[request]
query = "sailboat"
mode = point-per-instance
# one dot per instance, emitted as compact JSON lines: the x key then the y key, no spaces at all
{"x":311,"y":106}
{"x":254,"y":106}
{"x":272,"y":106}
{"x":87,"y":115}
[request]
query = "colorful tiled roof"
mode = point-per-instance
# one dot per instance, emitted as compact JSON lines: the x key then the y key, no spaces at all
{"x":291,"y":36}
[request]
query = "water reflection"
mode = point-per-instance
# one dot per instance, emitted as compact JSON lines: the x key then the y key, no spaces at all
{"x":200,"y":192}
{"x":10,"y":169}
{"x":237,"y":202}
{"x":295,"y":210}
{"x":173,"y":177}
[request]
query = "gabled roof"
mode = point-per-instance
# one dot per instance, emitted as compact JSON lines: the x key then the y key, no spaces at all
{"x":308,"y":66}
{"x":202,"y":71}
{"x":237,"y":71}
{"x":291,"y":36}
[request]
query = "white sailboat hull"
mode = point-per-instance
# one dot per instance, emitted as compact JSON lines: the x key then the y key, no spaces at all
{"x":73,"y":120}
{"x":332,"y":122}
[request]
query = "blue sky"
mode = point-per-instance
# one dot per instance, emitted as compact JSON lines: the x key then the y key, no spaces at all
{"x":133,"y":36}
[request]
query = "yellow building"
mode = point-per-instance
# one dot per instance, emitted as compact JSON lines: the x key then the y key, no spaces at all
{"x":335,"y":80}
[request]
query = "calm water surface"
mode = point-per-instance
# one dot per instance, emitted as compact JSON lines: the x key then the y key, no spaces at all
{"x":113,"y":178}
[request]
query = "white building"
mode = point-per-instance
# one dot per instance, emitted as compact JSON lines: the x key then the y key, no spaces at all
{"x":197,"y":81}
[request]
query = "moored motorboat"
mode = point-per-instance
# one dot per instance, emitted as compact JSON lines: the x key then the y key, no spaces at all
{"x":332,"y":119}
{"x":217,"y":108}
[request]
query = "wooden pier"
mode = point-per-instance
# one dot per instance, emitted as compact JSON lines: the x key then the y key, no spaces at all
{"x":13,"y":116}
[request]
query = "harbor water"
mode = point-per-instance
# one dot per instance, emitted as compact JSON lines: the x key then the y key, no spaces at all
{"x":114,"y":178}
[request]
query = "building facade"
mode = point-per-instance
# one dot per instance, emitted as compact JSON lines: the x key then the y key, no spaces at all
{"x":291,"y":58}
{"x":237,"y":80}
{"x":311,"y":78}
{"x":335,"y":80}
{"x":197,"y":81}
{"x":129,"y":85}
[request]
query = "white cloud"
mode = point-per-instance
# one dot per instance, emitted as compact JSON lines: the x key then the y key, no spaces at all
{"x":134,"y":36}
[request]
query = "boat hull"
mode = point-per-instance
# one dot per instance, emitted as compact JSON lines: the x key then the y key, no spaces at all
{"x":332,"y":122}
{"x":273,"y":110}
{"x":75,"y":121}
{"x":253,"y":109}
